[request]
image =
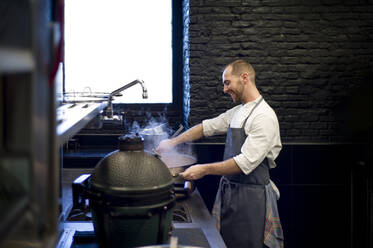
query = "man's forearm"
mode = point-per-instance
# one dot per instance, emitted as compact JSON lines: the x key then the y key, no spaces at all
{"x":226,"y":167}
{"x":191,"y":134}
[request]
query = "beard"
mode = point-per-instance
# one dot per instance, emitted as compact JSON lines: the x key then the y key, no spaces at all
{"x":235,"y":97}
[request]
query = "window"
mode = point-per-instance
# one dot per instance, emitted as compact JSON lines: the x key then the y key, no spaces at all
{"x":109,"y":43}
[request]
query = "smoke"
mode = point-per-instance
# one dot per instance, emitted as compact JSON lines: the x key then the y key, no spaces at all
{"x":151,"y":124}
{"x":135,"y":128}
{"x":156,"y":129}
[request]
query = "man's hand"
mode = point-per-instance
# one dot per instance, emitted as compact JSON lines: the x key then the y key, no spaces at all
{"x":226,"y":167}
{"x":165,"y":146}
{"x":195,"y":172}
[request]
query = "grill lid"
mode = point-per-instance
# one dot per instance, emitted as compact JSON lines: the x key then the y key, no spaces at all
{"x":131,"y":170}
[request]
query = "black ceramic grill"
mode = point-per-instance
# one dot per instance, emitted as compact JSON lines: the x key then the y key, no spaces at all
{"x":131,"y":196}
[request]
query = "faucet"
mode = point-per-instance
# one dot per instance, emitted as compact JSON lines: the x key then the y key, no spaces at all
{"x":109,"y":109}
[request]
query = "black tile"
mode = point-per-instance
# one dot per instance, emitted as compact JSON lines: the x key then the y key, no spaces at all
{"x":322,"y":164}
{"x":282,"y":173}
{"x":320,"y":217}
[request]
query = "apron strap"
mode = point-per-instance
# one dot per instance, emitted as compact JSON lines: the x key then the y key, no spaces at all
{"x":256,"y":105}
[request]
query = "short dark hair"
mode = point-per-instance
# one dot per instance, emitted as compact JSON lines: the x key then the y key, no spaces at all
{"x":240,"y":66}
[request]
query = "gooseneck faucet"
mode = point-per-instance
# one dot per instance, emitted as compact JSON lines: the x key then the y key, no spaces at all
{"x":109,"y":109}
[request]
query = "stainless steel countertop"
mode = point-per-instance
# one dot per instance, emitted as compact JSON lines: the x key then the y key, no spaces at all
{"x":72,"y":117}
{"x":201,"y":218}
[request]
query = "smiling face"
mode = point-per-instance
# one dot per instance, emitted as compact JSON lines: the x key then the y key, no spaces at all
{"x":233,"y":85}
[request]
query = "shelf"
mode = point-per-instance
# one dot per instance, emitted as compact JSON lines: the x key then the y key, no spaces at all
{"x":72,"y":117}
{"x":13,"y":60}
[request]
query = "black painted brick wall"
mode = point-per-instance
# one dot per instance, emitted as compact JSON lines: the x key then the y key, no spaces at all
{"x":313,"y":61}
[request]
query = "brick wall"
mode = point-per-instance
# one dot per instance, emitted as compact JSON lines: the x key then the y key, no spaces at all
{"x":313,"y":61}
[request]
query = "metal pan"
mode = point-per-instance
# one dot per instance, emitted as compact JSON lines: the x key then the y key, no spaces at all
{"x":178,"y":163}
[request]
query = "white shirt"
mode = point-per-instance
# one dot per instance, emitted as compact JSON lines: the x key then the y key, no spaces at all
{"x":262,"y":130}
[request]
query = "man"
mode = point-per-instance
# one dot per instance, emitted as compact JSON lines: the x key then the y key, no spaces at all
{"x":245,"y":206}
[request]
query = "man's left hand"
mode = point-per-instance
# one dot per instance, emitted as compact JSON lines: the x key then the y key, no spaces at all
{"x":195,"y":172}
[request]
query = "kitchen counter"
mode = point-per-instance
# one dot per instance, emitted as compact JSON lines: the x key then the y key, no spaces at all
{"x":72,"y":117}
{"x":200,"y":231}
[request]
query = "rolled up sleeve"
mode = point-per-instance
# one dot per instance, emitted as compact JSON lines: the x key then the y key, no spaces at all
{"x":261,"y":136}
{"x":219,"y":124}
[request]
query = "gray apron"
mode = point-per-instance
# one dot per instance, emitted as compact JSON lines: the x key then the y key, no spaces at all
{"x":240,"y":206}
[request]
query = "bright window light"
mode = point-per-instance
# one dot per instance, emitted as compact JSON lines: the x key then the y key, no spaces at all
{"x":109,"y":43}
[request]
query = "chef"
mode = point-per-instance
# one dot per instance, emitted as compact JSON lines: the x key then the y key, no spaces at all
{"x":246,"y":203}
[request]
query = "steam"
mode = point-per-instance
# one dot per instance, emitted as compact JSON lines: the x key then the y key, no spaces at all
{"x":157,"y":129}
{"x":152,"y":126}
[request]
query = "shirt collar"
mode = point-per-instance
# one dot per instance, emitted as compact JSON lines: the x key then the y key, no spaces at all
{"x":252,"y":103}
